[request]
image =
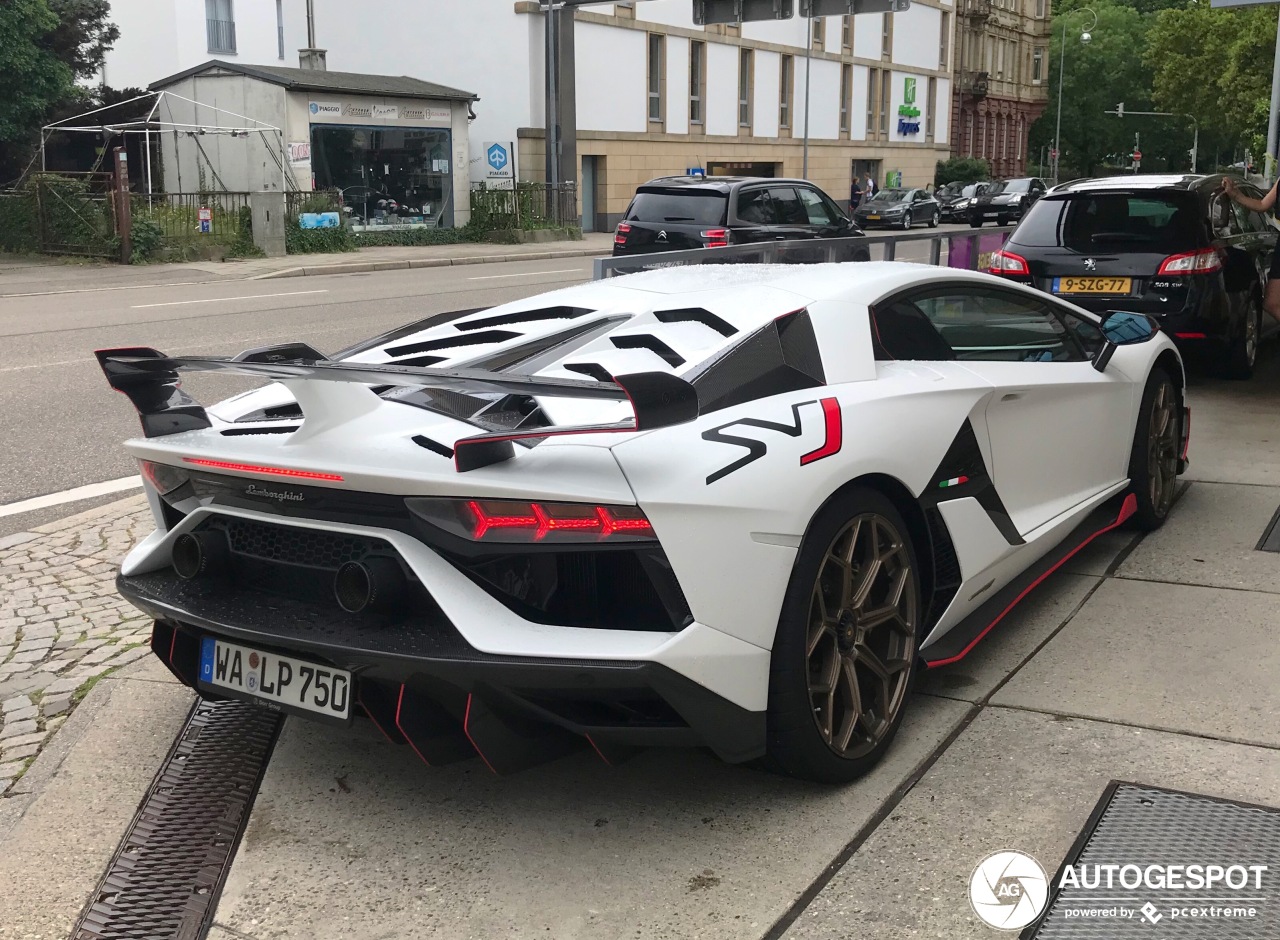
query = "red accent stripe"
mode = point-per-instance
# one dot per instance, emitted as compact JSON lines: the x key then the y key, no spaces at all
{"x":835,"y":433}
{"x":399,"y":704}
{"x":268,"y":471}
{"x":1190,"y":335}
{"x":1186,"y":432}
{"x":173,"y":642}
{"x":1127,"y":509}
{"x":466,"y":729}
{"x":599,"y":753}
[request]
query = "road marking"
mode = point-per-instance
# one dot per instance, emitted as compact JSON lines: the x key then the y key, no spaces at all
{"x":70,"y":496}
{"x":496,"y":277}
{"x":214,"y":300}
{"x":97,"y":290}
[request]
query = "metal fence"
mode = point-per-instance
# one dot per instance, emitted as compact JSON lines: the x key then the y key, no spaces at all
{"x":526,"y":206}
{"x":181,"y":217}
{"x":970,"y":250}
{"x":71,"y":213}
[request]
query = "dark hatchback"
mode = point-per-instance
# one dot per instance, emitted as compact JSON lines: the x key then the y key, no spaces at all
{"x":1006,"y":201}
{"x":684,"y":212}
{"x":955,"y":199}
{"x":899,"y":208}
{"x":1173,"y":247}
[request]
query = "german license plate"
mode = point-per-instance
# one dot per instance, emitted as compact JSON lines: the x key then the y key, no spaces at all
{"x":1092,"y":285}
{"x":873,"y":218}
{"x":272,"y":678}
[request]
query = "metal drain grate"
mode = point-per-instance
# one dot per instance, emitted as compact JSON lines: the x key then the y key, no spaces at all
{"x":1142,"y":826}
{"x":1270,"y":541}
{"x":164,"y":881}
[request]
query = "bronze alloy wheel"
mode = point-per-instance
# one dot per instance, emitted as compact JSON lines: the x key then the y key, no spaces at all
{"x":863,"y":616}
{"x":1162,"y":448}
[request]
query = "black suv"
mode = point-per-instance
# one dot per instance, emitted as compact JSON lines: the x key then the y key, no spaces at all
{"x":681,"y":212}
{"x":1173,"y":247}
{"x":1005,"y":201}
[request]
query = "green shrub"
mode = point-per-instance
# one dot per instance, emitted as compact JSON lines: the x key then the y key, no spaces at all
{"x":19,"y":224}
{"x":317,"y":241}
{"x":147,"y":238}
{"x":961,"y":170}
{"x":243,"y":246}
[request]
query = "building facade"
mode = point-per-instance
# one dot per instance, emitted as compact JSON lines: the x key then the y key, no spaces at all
{"x":1001,"y":81}
{"x":652,"y":93}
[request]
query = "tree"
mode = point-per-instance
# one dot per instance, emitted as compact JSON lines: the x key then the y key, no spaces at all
{"x":1216,"y":65}
{"x":32,"y":79}
{"x":961,"y":170}
{"x":83,"y":36}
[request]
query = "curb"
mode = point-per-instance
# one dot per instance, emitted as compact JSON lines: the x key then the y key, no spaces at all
{"x":366,"y":267}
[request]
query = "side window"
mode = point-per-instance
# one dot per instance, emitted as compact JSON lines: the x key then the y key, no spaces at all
{"x":901,"y":331}
{"x":816,"y":208}
{"x":755,"y":208}
{"x":1087,"y":334}
{"x":787,"y":207}
{"x":982,"y":325}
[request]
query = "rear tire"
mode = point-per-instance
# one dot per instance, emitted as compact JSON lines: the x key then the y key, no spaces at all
{"x":1153,"y":462}
{"x":844,"y":657}
{"x":1241,"y":354}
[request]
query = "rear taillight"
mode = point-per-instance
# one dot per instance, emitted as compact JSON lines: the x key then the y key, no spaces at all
{"x":716,"y":238}
{"x":519,"y":522}
{"x":1204,"y":261}
{"x":620,"y":237}
{"x":1006,"y":262}
{"x":164,"y":478}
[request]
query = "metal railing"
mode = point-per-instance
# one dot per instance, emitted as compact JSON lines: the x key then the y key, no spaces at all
{"x":222,"y":35}
{"x":194,"y":216}
{"x":969,"y":250}
{"x":526,"y":206}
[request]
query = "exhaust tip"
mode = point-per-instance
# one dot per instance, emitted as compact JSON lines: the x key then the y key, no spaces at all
{"x":369,"y":585}
{"x":199,"y":553}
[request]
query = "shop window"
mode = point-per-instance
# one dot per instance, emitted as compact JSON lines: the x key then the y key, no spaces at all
{"x":220,"y":23}
{"x":388,"y":177}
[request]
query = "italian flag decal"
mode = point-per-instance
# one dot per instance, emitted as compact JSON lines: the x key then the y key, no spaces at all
{"x":954,"y":481}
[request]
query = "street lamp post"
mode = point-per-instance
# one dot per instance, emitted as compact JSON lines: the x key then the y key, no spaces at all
{"x":1085,"y":36}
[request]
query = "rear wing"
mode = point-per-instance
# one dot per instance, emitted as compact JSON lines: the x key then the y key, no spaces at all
{"x":149,"y":379}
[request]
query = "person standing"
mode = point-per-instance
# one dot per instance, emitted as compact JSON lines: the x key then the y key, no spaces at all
{"x":1271,"y":302}
{"x":868,"y":187}
{"x":855,"y":196}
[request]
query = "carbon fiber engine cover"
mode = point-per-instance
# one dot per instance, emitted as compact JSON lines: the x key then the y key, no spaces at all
{"x":1187,"y":838}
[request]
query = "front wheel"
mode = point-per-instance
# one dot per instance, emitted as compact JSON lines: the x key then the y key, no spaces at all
{"x":975,"y":223}
{"x":1153,"y":462}
{"x":936,"y":218}
{"x":844,"y":657}
{"x":906,"y":221}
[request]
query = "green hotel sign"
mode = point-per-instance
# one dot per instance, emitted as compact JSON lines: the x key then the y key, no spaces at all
{"x":908,"y":113}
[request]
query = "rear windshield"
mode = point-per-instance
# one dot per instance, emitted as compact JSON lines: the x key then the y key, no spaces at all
{"x":697,"y":207}
{"x":1086,"y":222}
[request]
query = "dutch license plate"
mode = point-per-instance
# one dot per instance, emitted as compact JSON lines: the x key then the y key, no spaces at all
{"x":873,"y":218}
{"x":272,"y":678}
{"x":1092,"y":285}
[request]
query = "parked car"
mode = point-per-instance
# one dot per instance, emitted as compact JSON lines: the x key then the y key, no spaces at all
{"x":683,"y":212}
{"x":955,"y":199}
{"x":1006,"y":201}
{"x":1169,"y":246}
{"x":899,"y":208}
{"x":489,"y":550}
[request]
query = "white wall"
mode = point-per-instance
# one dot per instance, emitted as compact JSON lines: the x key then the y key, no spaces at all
{"x":942,"y":119}
{"x":768,"y":83}
{"x":612,"y":73}
{"x":858,"y":107}
{"x":722,"y":89}
{"x":677,"y":102}
{"x":147,"y":47}
{"x":866,"y":36}
{"x":667,"y":12}
{"x":824,"y":103}
{"x":917,"y":36}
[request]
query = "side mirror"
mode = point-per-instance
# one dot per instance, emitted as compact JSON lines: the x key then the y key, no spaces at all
{"x":1121,"y":328}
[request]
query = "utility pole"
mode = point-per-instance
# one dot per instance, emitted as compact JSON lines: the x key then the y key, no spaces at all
{"x":808,"y":72}
{"x":1273,"y":125}
{"x":551,"y":25}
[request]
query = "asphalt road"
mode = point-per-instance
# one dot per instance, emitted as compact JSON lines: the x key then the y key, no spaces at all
{"x":63,"y":427}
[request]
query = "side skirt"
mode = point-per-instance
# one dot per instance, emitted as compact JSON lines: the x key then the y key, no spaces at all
{"x":962,"y":638}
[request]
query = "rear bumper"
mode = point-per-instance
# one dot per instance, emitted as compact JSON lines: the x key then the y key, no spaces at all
{"x":423,"y":684}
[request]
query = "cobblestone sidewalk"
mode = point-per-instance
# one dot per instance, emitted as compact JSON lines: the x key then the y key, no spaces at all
{"x":62,"y":624}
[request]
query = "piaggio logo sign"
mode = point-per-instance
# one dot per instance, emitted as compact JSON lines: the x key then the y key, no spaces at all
{"x":908,"y":113}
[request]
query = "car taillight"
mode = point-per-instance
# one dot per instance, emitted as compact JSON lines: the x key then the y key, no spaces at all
{"x":1204,"y":261}
{"x":267,"y":471}
{"x":1006,"y":262}
{"x":526,"y":522}
{"x":164,"y":478}
{"x":716,"y":238}
{"x":620,"y":237}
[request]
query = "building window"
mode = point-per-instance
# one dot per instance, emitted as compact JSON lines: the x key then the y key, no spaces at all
{"x":746,"y":82}
{"x":1039,"y":9}
{"x":1037,"y":66}
{"x":819,"y":32}
{"x":280,"y":26}
{"x":886,"y":36}
{"x":220,"y":22}
{"x":873,"y":97}
{"x":656,"y":77}
{"x":697,"y":80}
{"x":846,"y":33}
{"x":846,"y":97}
{"x":944,"y":47}
{"x":786,"y":84}
{"x":886,"y":90}
{"x":931,"y":103}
